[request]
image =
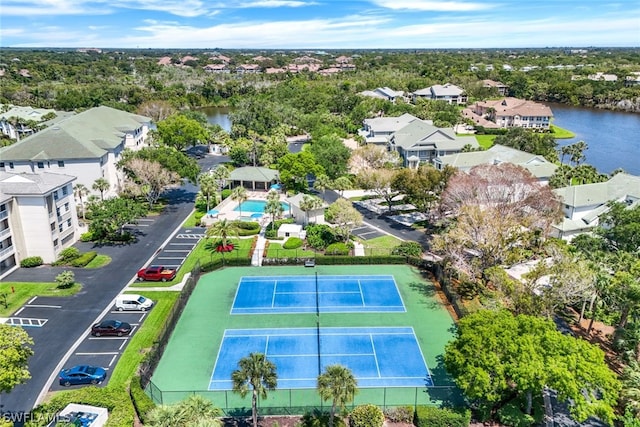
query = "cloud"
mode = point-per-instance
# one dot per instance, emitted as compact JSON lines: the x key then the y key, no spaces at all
{"x":184,"y":8}
{"x":273,"y":3}
{"x":433,"y":6}
{"x":52,"y":8}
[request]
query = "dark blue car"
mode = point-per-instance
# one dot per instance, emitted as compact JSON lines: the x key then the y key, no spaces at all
{"x":82,"y":374}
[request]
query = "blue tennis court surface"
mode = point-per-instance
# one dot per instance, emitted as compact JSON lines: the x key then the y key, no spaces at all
{"x":378,"y":357}
{"x":335,"y":294}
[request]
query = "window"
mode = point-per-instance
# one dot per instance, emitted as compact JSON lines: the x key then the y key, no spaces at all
{"x":10,"y":165}
{"x":60,"y":163}
{"x":53,"y":226}
{"x":55,"y":243}
{"x":1,"y":165}
{"x":60,"y":228}
{"x":40,"y":165}
{"x":65,"y":190}
{"x":66,"y":207}
{"x":58,"y":211}
{"x":69,"y":222}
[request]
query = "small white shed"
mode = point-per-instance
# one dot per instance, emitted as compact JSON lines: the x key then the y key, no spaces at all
{"x":290,"y":230}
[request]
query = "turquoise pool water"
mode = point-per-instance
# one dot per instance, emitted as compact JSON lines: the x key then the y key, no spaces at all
{"x":257,"y":206}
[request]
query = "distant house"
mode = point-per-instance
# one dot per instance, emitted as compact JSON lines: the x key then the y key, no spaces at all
{"x":602,"y":77}
{"x":419,"y":142}
{"x":272,"y":70}
{"x":584,"y":204}
{"x":633,"y":79}
{"x":165,"y":60}
{"x":510,"y":112}
{"x":329,"y":71}
{"x":448,"y":92}
{"x":187,"y":58}
{"x":307,"y":60}
{"x":539,"y":167}
{"x":37,"y":217}
{"x":383,"y":93}
{"x":24,"y":73}
{"x":379,"y":130}
{"x":87,"y":145}
{"x":501,"y":87}
{"x":223,"y":59}
{"x":216,"y":68}
{"x":248,"y":69}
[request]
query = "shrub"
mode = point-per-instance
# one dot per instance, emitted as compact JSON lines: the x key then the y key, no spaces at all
{"x":292,"y":243}
{"x":402,"y":414}
{"x":65,"y":280}
{"x":198,"y":216}
{"x":337,"y":248}
{"x":68,"y":254}
{"x":511,"y":415}
{"x":271,"y":232}
{"x":247,"y":225}
{"x":32,"y":261}
{"x":226,"y":193}
{"x":366,"y":416}
{"x":84,"y":259}
{"x":320,"y":419}
{"x":430,"y":416}
{"x":87,"y":237}
{"x":319,"y":236}
{"x":408,"y":249}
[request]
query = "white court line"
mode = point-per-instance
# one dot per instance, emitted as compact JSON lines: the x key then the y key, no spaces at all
{"x":273,"y":298}
{"x":375,"y":356}
{"x":361,"y":294}
{"x":113,"y":359}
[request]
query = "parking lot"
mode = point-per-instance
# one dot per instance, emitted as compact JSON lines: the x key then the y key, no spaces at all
{"x":176,"y":250}
{"x":104,"y":351}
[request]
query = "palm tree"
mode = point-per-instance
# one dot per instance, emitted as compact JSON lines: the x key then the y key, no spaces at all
{"x":322,"y":183}
{"x":338,"y":384}
{"x":239,"y":194}
{"x":309,"y":203}
{"x":273,"y":206}
{"x":256,"y":374}
{"x":101,"y":185}
{"x":193,"y":411}
{"x":220,"y":174}
{"x":80,"y":191}
{"x":208,"y":186}
{"x":223,"y":229}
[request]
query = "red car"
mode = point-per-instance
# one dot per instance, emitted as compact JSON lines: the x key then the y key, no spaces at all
{"x":156,"y":273}
{"x":111,"y":327}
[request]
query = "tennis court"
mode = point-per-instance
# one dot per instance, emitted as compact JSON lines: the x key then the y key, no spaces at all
{"x":317,"y":293}
{"x":301,"y":354}
{"x":395,"y":355}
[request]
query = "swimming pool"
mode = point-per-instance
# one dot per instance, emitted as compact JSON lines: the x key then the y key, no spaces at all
{"x":257,"y":206}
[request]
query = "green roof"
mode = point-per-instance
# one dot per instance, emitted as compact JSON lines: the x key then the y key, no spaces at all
{"x":254,"y":174}
{"x":418,"y":134}
{"x":620,"y":186}
{"x":87,"y":135}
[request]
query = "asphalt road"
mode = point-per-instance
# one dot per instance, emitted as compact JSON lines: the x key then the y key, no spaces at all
{"x":68,"y":319}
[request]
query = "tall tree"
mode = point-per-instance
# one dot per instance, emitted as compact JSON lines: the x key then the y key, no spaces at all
{"x":223,"y":229}
{"x":309,"y":203}
{"x":273,"y":206}
{"x":337,"y":384}
{"x":101,"y":185}
{"x":496,"y":356}
{"x":322,"y":183}
{"x":170,"y":158}
{"x":149,"y":178}
{"x":80,"y":191}
{"x":220,"y":173}
{"x":331,"y":154}
{"x":15,"y":351}
{"x":239,"y":194}
{"x":158,"y":110}
{"x":380,"y":182}
{"x":208,"y":187}
{"x":256,"y":374}
{"x":295,"y":168}
{"x":344,"y":216}
{"x":108,"y":217}
{"x":180,"y":132}
{"x":423,"y":186}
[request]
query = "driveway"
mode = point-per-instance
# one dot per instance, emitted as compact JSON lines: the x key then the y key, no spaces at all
{"x":68,"y":319}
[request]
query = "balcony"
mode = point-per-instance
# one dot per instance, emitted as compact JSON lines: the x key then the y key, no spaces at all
{"x":4,"y":233}
{"x":4,"y":214}
{"x":4,"y":253}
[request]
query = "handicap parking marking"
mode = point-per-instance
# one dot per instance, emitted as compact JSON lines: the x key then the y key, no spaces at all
{"x":26,"y":322}
{"x":190,"y":236}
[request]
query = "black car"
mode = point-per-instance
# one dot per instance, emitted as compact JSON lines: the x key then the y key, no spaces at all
{"x":111,"y":327}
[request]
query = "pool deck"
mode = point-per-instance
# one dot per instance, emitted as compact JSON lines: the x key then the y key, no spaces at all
{"x":227,"y":206}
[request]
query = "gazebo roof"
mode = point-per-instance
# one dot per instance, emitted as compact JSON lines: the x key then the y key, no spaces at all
{"x":254,"y":173}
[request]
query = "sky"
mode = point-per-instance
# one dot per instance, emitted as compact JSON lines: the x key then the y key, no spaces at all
{"x":319,"y":24}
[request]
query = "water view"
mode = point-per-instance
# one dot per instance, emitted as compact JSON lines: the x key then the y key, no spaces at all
{"x":613,"y":137}
{"x":218,"y":116}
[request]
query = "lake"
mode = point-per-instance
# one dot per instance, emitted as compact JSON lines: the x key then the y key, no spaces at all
{"x":613,"y":137}
{"x":218,"y":116}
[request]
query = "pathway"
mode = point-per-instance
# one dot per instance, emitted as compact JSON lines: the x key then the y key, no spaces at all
{"x":256,"y":258}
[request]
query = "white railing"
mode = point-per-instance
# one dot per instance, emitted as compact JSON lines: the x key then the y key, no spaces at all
{"x":5,"y":232}
{"x":6,"y":252}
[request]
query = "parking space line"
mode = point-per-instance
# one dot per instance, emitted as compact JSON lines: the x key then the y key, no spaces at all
{"x":113,"y":359}
{"x":176,"y":250}
{"x":31,"y":300}
{"x":18,"y":312}
{"x":171,"y":257}
{"x":43,"y":306}
{"x":122,"y":345}
{"x":103,"y":353}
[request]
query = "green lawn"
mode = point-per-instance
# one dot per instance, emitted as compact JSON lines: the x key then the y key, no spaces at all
{"x":561,"y":133}
{"x":485,"y":141}
{"x":17,"y":293}
{"x":275,"y":250}
{"x":99,"y":261}
{"x":382,"y":242}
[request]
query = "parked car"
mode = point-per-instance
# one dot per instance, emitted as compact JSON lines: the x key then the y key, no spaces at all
{"x":133,"y":302}
{"x":156,"y":273}
{"x":111,"y":327}
{"x":82,"y":374}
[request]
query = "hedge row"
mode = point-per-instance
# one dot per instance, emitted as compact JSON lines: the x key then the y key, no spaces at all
{"x":84,"y":259}
{"x":141,"y":401}
{"x":430,"y":416}
{"x":32,"y":261}
{"x":330,"y":260}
